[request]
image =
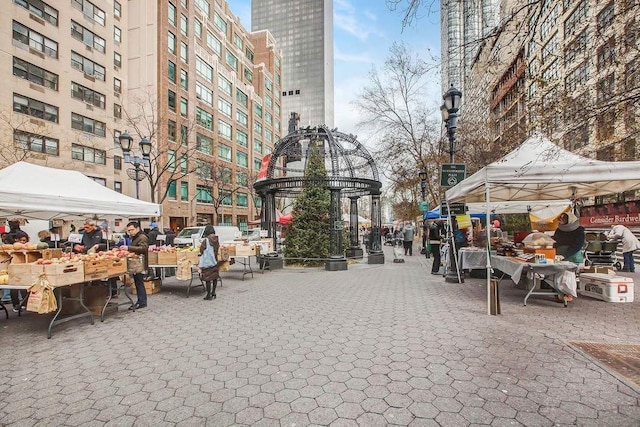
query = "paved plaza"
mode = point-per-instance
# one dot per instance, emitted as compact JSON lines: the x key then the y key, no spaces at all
{"x":372,"y":346}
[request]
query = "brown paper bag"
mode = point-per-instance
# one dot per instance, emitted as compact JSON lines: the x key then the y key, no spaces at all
{"x":184,"y":269}
{"x":42,"y":299}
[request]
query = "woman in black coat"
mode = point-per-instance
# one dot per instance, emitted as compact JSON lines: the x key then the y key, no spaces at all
{"x":210,"y":275}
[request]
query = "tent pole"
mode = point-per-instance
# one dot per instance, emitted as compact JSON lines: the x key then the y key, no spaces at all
{"x":488,"y":243}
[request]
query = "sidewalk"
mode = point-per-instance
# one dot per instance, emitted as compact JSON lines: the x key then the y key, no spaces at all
{"x":374,"y":345}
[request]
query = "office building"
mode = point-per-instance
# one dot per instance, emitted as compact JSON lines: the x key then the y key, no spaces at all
{"x":303,"y":30}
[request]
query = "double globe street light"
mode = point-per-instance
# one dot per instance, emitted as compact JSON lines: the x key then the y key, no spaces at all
{"x":137,"y":174}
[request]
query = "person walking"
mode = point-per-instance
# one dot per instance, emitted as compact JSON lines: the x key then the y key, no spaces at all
{"x":139,"y":245}
{"x":408,"y":233}
{"x":435,"y":237}
{"x":630,"y":243}
{"x":210,"y":274}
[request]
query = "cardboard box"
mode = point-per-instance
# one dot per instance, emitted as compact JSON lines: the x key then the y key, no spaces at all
{"x":549,"y":253}
{"x":95,"y":296}
{"x":95,"y":269}
{"x":599,"y":269}
{"x":152,"y":286}
{"x":606,"y":287}
{"x":116,"y":267}
{"x":153,"y":258}
{"x":167,"y":258}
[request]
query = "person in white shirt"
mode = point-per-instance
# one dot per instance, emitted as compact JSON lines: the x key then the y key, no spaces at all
{"x":630,"y":243}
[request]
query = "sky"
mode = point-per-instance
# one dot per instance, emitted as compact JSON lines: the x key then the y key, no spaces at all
{"x":364,"y":31}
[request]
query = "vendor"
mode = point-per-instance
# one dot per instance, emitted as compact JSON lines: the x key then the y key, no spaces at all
{"x":91,"y":238}
{"x":569,"y":238}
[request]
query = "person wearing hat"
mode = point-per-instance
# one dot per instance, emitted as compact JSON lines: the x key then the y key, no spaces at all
{"x":569,"y":239}
{"x":153,"y":233}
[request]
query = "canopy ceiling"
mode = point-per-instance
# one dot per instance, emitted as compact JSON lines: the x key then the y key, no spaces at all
{"x":38,"y":192}
{"x":540,"y":170}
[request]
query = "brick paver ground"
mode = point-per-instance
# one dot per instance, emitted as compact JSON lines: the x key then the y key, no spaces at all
{"x":375,"y":345}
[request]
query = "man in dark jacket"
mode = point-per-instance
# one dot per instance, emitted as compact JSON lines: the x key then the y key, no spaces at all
{"x":91,"y":238}
{"x":153,"y":233}
{"x":139,"y":245}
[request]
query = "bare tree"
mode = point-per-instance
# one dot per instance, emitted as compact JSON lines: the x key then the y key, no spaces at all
{"x":393,"y":104}
{"x":166,"y":165}
{"x":22,"y":138}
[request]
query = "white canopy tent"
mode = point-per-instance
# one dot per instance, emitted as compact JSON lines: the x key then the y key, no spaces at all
{"x":38,"y":192}
{"x":540,"y":170}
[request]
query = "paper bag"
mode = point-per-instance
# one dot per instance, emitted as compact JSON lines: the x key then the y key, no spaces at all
{"x":183,"y":271}
{"x":42,"y":299}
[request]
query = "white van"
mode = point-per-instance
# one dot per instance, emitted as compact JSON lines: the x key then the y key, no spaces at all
{"x":225,"y":233}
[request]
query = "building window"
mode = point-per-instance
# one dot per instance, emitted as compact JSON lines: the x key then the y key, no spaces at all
{"x":213,"y":43}
{"x":242,"y":138}
{"x":224,"y":152}
{"x":184,"y":191}
{"x":117,"y":35}
{"x":242,"y":200}
{"x":204,"y":144}
{"x":204,"y":170}
{"x":606,"y":54}
{"x":268,"y":118}
{"x":117,"y":111}
{"x":224,"y":106}
{"x":117,"y":85}
{"x":184,"y":25}
{"x":232,"y":61}
{"x":257,"y":146}
{"x":171,"y":11}
{"x":257,"y":164}
{"x":87,"y":66}
{"x":268,"y":135}
{"x":117,"y":9}
{"x":257,"y":128}
{"x":171,"y":72}
{"x":90,"y":10}
{"x":257,"y":109}
{"x":248,"y":75}
{"x":99,"y":180}
{"x":171,"y":161}
{"x":184,"y":80}
{"x":117,"y":163}
{"x":34,"y":74}
{"x":184,"y":107}
{"x":242,"y":159}
{"x":220,"y":23}
{"x":242,"y":118}
{"x":117,"y":186}
{"x":242,"y":98}
{"x":37,"y":143}
{"x":183,"y":163}
{"x":632,"y":74}
{"x":605,"y":123}
{"x":225,"y":196}
{"x":87,"y":124}
{"x":204,"y":94}
{"x":248,"y":53}
{"x":204,"y":118}
{"x":605,"y":88}
{"x":224,"y":129}
{"x":204,"y":70}
{"x":171,"y":190}
{"x":203,"y":5}
{"x":171,"y":95}
{"x":184,"y":52}
{"x":577,"y":17}
{"x":224,"y":85}
{"x":204,"y":194}
{"x":605,"y":17}
{"x":29,"y":39}
{"x":117,"y":60}
{"x":87,"y":95}
{"x":35,"y":108}
{"x":184,"y":134}
{"x":89,"y":38}
{"x":171,"y":130}
{"x":88,"y":154}
{"x":171,"y":42}
{"x":41,"y":9}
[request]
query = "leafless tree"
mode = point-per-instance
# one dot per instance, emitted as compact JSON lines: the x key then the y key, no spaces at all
{"x":19,"y":139}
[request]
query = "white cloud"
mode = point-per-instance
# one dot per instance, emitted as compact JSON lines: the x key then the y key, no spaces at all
{"x":345,"y":17}
{"x":362,"y":58}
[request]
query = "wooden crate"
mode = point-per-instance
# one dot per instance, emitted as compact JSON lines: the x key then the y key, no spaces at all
{"x":135,"y":265}
{"x":152,"y":286}
{"x":64,"y":274}
{"x":24,"y":257}
{"x":192,"y":256}
{"x":51,"y":253}
{"x":167,"y":258}
{"x":24,"y":274}
{"x":244,"y":250}
{"x":153,"y":258}
{"x":116,"y":267}
{"x":95,"y":269}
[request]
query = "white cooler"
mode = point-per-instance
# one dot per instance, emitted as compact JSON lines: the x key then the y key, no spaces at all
{"x":606,"y":287}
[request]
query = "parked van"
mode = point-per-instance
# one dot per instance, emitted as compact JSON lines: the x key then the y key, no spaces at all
{"x":187,"y":235}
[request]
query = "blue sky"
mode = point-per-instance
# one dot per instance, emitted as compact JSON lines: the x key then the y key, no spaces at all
{"x":364,"y":30}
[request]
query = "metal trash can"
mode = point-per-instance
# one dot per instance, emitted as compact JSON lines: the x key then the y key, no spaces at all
{"x":270,"y":261}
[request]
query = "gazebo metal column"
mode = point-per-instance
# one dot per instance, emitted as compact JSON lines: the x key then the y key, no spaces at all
{"x":270,"y":219}
{"x":336,"y":260}
{"x":354,"y":251}
{"x":376,"y":256}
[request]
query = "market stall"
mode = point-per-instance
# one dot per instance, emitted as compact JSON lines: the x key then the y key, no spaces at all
{"x":540,"y":170}
{"x":37,"y":192}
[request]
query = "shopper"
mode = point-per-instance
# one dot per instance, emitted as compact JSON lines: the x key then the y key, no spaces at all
{"x":408,"y":233}
{"x":210,"y":275}
{"x":153,"y":233}
{"x":630,"y":243}
{"x":139,"y":245}
{"x":435,"y":237}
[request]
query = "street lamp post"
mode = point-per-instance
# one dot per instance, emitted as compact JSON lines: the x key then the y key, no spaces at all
{"x":452,"y":99}
{"x":422,"y":174}
{"x":423,"y":182}
{"x":138,"y":163}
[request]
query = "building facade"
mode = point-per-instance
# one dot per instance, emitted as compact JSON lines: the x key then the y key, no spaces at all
{"x":185,"y":75}
{"x":303,"y":30}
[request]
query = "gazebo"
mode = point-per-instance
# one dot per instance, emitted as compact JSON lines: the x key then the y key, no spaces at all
{"x":351,"y":173}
